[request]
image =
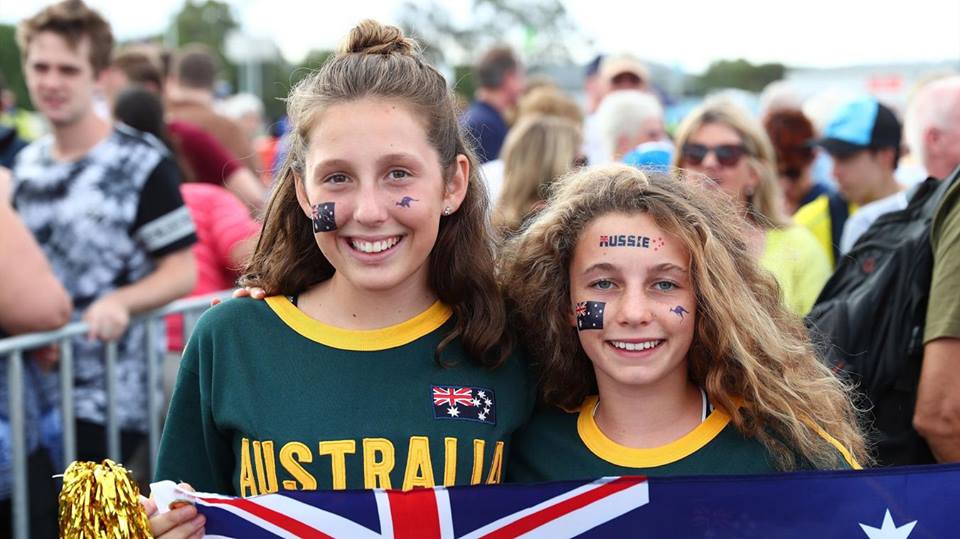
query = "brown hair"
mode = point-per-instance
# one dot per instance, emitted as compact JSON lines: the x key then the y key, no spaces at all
{"x":195,"y":66}
{"x":378,"y":61}
{"x":139,"y":67}
{"x":493,"y":67}
{"x":792,"y":136}
{"x":72,"y":20}
{"x":765,"y":204}
{"x":751,"y":355}
{"x":549,"y":101}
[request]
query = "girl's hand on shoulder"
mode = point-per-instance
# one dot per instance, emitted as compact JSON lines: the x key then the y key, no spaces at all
{"x":184,"y":522}
{"x":246,"y":292}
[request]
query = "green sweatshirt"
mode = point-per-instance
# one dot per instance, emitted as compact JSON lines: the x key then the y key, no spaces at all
{"x":269,"y":399}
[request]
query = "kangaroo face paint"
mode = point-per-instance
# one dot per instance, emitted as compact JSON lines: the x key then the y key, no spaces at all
{"x":405,"y":202}
{"x":324,"y":218}
{"x":679,"y":311}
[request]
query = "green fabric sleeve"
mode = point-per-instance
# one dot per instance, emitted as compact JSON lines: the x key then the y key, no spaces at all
{"x":192,"y":449}
{"x":943,"y":311}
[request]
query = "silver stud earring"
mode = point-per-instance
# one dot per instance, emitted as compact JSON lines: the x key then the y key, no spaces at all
{"x":447,"y":211}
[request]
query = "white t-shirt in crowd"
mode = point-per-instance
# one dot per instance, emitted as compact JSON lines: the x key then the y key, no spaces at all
{"x":859,"y":222}
{"x":492,"y":173}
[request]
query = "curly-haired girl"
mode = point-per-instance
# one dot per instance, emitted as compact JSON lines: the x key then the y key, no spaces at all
{"x":662,"y":347}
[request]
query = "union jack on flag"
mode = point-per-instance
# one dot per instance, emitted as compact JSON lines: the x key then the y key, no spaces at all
{"x":464,"y":403}
{"x":906,"y":503}
{"x":452,"y":396}
{"x":565,"y":510}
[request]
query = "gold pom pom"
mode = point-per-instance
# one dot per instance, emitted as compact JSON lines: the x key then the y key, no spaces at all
{"x":101,"y":501}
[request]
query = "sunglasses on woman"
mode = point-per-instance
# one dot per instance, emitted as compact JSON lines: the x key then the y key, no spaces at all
{"x":728,"y":155}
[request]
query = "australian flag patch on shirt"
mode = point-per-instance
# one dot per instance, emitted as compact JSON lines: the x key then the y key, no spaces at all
{"x":466,"y":403}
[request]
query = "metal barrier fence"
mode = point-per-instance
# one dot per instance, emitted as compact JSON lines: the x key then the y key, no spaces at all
{"x":13,"y":349}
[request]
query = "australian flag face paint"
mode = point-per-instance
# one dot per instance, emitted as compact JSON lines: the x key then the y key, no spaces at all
{"x":324,"y":219}
{"x":590,"y":314}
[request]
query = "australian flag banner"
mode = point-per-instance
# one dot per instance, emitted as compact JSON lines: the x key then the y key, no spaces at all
{"x":901,"y":503}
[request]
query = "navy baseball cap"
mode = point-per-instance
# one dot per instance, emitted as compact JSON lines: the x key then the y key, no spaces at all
{"x":860,"y":125}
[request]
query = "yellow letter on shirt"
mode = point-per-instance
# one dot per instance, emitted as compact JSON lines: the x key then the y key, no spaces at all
{"x":338,"y":450}
{"x":496,"y":465}
{"x":266,"y":466}
{"x":449,"y":461}
{"x":246,"y":471}
{"x":477,"y":474}
{"x":291,"y":455}
{"x":419,"y":472}
{"x":376,"y":471}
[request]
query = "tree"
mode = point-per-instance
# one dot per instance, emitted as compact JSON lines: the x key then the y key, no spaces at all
{"x":280,"y":77}
{"x":10,"y":66}
{"x":208,"y":23}
{"x":737,"y":74}
{"x":543,"y":26}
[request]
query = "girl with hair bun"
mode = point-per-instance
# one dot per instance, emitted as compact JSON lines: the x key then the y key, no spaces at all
{"x":380,"y":358}
{"x":662,"y":347}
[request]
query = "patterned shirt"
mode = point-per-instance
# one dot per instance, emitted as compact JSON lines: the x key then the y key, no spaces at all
{"x":103,"y":221}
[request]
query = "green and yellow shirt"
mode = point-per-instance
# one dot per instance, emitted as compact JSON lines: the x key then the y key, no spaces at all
{"x":558,"y":445}
{"x":269,"y":399}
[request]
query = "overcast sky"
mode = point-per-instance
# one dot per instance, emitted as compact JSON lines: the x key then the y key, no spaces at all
{"x":683,"y":33}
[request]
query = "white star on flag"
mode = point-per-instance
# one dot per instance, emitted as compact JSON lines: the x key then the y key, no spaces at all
{"x":481,"y":416}
{"x":476,"y":402}
{"x":889,"y":530}
{"x":454,"y":412}
{"x":485,"y":411}
{"x":482,"y":394}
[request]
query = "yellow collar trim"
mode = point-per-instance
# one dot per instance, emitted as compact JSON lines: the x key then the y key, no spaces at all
{"x":844,"y":452}
{"x":630,"y":457}
{"x":367,"y":340}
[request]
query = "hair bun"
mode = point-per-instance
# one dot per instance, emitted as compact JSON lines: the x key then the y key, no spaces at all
{"x":371,"y":37}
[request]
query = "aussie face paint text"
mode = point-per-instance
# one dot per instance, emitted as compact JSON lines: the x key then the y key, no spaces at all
{"x":632,"y":240}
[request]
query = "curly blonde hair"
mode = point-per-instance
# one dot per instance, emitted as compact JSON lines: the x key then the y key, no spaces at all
{"x":751,"y":355}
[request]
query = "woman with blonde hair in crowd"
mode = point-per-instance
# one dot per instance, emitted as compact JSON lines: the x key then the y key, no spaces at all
{"x":661,"y":346}
{"x":549,"y":100}
{"x":537,"y":151}
{"x":731,"y":152}
{"x":544,"y":100}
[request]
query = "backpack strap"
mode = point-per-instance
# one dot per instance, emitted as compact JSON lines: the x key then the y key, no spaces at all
{"x":839,"y":211}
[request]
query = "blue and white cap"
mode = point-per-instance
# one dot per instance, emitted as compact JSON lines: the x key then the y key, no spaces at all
{"x":656,"y":155}
{"x":860,"y":125}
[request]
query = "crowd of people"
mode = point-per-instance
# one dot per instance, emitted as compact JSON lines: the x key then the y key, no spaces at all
{"x":524,"y":290}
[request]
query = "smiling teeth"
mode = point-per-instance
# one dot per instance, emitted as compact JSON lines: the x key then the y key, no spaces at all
{"x":634,"y":346}
{"x":374,"y":246}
